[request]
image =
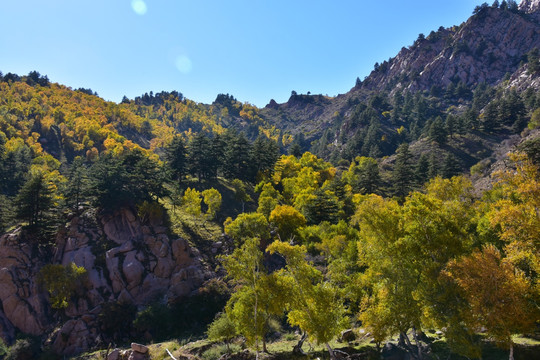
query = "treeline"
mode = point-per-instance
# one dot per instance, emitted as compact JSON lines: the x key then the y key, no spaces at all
{"x":378,"y":125}
{"x":231,"y":155}
{"x":42,"y":188}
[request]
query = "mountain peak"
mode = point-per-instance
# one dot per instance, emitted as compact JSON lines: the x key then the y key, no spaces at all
{"x":529,"y":6}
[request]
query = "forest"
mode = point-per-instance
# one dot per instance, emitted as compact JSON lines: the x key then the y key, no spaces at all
{"x":376,"y":234}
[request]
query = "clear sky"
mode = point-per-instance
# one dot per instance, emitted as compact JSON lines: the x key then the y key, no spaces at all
{"x":256,"y":50}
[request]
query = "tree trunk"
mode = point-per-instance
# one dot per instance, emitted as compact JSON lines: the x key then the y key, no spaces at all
{"x":418,"y":345}
{"x":331,"y":352}
{"x":511,"y":357}
{"x":403,"y":337}
{"x":297,"y":349}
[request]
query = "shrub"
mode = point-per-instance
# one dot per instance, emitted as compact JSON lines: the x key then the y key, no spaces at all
{"x":62,"y":282}
{"x":24,"y":349}
{"x":116,"y":319}
{"x":216,"y":351}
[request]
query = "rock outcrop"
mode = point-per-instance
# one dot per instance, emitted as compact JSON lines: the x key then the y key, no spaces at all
{"x":127,"y":262}
{"x":489,"y":45}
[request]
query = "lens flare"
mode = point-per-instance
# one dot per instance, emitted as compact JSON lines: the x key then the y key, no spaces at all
{"x":183,"y":64}
{"x":139,"y":6}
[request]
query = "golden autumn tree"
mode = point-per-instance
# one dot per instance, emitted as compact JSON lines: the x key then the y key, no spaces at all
{"x":515,"y":213}
{"x":497,"y":293}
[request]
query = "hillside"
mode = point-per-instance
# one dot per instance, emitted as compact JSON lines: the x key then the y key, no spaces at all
{"x":387,"y":210}
{"x":443,"y":73}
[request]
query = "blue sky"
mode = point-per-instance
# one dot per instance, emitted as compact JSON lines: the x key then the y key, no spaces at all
{"x":255,"y":50}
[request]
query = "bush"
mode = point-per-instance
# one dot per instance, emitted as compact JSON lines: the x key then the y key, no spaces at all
{"x":4,"y":350}
{"x":24,"y":349}
{"x":193,"y":314}
{"x":116,"y":319}
{"x":216,"y":351}
{"x":158,"y":320}
{"x":62,"y":282}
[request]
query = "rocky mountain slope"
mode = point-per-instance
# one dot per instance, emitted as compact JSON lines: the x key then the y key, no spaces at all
{"x":128,"y":262}
{"x":489,"y":47}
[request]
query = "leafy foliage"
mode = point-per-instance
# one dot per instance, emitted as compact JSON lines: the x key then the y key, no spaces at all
{"x":62,"y":282}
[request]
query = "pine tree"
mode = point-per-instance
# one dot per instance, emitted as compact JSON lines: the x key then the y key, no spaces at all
{"x":77,"y":186}
{"x":237,"y":163}
{"x":437,"y":131}
{"x":34,"y":200}
{"x":421,"y":172}
{"x":199,"y":154}
{"x":450,"y":166}
{"x":175,"y":157}
{"x":402,"y":175}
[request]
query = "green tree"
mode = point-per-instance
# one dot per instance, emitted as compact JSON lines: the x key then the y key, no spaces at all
{"x":222,"y":329}
{"x":125,"y":180}
{"x":175,"y":157}
{"x":314,"y":305}
{"x":237,"y":161}
{"x":62,"y":282}
{"x":212,"y":199}
{"x":421,"y":171}
{"x":268,"y":199}
{"x":402,"y":175}
{"x":34,"y":200}
{"x":450,"y":166}
{"x":247,"y":225}
{"x":533,"y":61}
{"x":77,"y":185}
{"x":322,"y":205}
{"x":264,"y":154}
{"x":200,"y":156}
{"x":244,"y":266}
{"x":240,"y":192}
{"x":288,"y":220}
{"x":192,"y":202}
{"x":437,"y":131}
{"x":363,"y":175}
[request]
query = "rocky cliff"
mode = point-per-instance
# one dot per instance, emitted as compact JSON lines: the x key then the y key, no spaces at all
{"x":487,"y":46}
{"x":127,"y":262}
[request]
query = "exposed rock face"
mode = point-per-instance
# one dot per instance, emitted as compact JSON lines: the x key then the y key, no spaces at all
{"x":126,"y":261}
{"x":483,"y":49}
{"x":530,"y":7}
{"x":22,"y":306}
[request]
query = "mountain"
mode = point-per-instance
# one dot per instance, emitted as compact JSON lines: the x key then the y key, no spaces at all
{"x":455,"y":101}
{"x":441,"y":70}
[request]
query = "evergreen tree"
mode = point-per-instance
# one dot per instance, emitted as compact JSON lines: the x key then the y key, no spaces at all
{"x":490,"y":118}
{"x":450,"y":166}
{"x":421,"y":172}
{"x":264,"y":154}
{"x":437,"y":131}
{"x":126,"y":180}
{"x":323,"y":207}
{"x":237,"y":164}
{"x":402,"y":175}
{"x":34,"y":200}
{"x":295,"y":150}
{"x":451,"y":125}
{"x":16,"y":165}
{"x":175,"y":157}
{"x":433,"y":169}
{"x":199,"y":156}
{"x":77,"y":185}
